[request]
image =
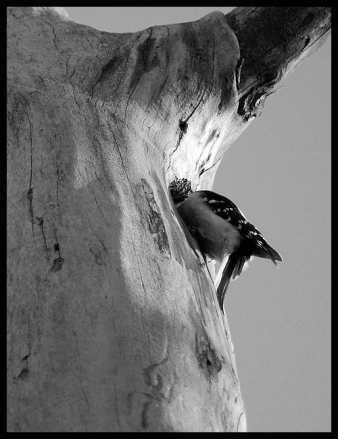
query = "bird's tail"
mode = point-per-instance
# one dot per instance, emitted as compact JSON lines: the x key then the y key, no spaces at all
{"x":233,"y":268}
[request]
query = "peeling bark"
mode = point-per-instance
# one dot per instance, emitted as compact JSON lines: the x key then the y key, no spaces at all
{"x":113,"y":320}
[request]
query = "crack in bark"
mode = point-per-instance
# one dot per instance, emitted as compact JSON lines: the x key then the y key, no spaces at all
{"x":67,"y":66}
{"x":183,"y":131}
{"x":31,"y":142}
{"x":104,"y":68}
{"x":129,"y":97}
{"x":57,"y":184}
{"x":73,"y":73}
{"x":142,"y":71}
{"x":25,"y":370}
{"x":56,"y":245}
{"x":124,"y":68}
{"x":85,"y":307}
{"x":208,"y":169}
{"x":30,"y":190}
{"x":109,"y":63}
{"x":89,"y":43}
{"x":205,"y":89}
{"x":58,"y":262}
{"x":30,"y":198}
{"x":100,"y":209}
{"x":23,"y":375}
{"x":84,"y":395}
{"x":40,"y":223}
{"x":10,"y":10}
{"x":122,"y":163}
{"x":198,"y":104}
{"x":54,"y":37}
{"x":184,"y":122}
{"x":79,"y":358}
{"x":158,"y":97}
{"x":101,"y":242}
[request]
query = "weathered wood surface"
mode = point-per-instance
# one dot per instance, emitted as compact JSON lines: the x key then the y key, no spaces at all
{"x":113,"y":322}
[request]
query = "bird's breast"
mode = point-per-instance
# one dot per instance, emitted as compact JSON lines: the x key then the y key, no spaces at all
{"x":216,"y":236}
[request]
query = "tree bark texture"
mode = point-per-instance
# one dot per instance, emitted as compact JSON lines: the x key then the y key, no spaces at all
{"x":113,"y":321}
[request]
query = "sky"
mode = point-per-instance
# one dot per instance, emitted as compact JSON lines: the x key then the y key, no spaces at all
{"x":278,"y":172}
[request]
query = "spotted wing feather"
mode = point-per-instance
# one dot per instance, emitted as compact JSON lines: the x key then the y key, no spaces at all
{"x":226,"y":209}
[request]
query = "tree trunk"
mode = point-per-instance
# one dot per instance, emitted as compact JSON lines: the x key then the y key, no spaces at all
{"x":113,"y":321}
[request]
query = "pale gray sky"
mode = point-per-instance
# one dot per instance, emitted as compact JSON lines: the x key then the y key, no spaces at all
{"x":278,"y":172}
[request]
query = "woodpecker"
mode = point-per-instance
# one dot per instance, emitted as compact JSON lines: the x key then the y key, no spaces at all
{"x":224,"y":235}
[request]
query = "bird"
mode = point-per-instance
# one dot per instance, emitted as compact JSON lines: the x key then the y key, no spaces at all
{"x":223,"y":235}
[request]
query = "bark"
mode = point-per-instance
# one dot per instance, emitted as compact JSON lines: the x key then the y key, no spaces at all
{"x":113,"y":320}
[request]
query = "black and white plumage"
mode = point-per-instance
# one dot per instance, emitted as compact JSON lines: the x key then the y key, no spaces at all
{"x":224,"y":235}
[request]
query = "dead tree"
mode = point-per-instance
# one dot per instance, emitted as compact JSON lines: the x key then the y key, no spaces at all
{"x":113,"y":321}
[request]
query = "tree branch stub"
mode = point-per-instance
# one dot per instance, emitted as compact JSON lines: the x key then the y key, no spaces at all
{"x":113,"y":320}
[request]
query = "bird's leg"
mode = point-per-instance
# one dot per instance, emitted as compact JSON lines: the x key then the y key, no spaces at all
{"x":196,"y":248}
